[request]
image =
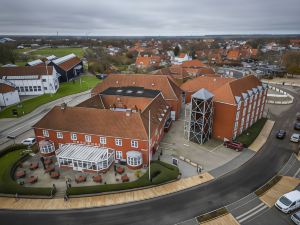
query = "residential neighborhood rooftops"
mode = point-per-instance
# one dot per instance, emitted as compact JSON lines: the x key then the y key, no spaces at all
{"x":193,"y":64}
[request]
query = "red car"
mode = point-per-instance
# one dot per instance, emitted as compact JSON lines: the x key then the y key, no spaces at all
{"x":234,"y":145}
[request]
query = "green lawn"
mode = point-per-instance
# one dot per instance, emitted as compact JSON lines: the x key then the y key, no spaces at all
{"x":59,"y":52}
{"x":10,"y":186}
{"x":248,"y":136}
{"x":88,"y":82}
{"x":161,"y":172}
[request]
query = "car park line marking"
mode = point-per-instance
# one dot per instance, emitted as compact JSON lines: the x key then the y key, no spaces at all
{"x":246,"y":215}
{"x":296,"y":174}
{"x":257,"y":215}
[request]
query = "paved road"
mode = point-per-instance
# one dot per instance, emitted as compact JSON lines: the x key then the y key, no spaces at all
{"x":16,"y":127}
{"x":183,"y":205}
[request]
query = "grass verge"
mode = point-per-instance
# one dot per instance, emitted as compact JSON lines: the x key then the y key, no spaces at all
{"x":267,"y":186}
{"x":248,"y":136}
{"x":65,"y":89}
{"x":8,"y":161}
{"x":59,"y":52}
{"x":212,"y":215}
{"x":161,"y":172}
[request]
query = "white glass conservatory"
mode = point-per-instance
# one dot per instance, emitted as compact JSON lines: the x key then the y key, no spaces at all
{"x":83,"y":157}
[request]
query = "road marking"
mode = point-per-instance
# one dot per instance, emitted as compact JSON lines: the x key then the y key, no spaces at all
{"x":24,"y":126}
{"x":251,"y":212}
{"x":296,"y":174}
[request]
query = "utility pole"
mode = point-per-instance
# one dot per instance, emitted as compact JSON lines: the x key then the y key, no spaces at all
{"x":149,"y":148}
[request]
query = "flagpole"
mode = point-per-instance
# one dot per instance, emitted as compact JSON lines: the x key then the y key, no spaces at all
{"x":149,"y":148}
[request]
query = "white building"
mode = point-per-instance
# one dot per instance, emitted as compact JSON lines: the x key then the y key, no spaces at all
{"x":31,"y":80}
{"x":182,"y":57}
{"x":35,"y":63}
{"x":8,"y":94}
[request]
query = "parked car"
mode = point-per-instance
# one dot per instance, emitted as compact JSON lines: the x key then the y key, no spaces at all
{"x":281,"y":134}
{"x":297,"y":126}
{"x":234,"y":145}
{"x":289,"y":202}
{"x":295,"y":137}
{"x":298,"y":116}
{"x":29,"y":141}
{"x":296,"y":217}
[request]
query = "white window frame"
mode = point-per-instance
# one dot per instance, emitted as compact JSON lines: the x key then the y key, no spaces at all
{"x":88,"y":138}
{"x":102,"y":140}
{"x":73,"y":136}
{"x":119,"y":155}
{"x":134,"y":144}
{"x":45,"y":133}
{"x":59,"y":135}
{"x":118,"y":141}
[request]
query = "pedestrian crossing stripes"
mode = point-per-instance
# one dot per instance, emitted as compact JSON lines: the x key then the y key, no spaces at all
{"x":252,"y":212}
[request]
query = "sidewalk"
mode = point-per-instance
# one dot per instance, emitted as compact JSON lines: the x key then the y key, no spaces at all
{"x":286,"y":184}
{"x":263,"y":136}
{"x":104,"y":200}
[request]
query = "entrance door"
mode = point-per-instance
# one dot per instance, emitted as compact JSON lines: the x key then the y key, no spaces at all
{"x":173,"y":115}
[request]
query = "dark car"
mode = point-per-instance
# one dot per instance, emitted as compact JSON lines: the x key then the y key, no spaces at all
{"x":298,"y":116}
{"x":234,"y":145}
{"x":297,"y":126}
{"x":280,"y":134}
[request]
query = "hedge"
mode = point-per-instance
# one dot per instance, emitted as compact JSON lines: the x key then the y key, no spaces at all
{"x":160,"y":172}
{"x":212,"y":215}
{"x":9,"y":159}
{"x":248,"y":136}
{"x":267,"y":186}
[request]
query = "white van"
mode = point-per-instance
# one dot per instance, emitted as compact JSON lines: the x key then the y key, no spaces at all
{"x":29,"y":141}
{"x":289,"y":201}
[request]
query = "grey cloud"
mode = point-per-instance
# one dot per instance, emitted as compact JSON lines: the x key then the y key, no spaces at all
{"x":144,"y":17}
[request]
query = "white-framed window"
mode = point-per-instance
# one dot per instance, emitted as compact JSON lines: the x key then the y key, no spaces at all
{"x":47,"y":149}
{"x":244,"y":111}
{"x":73,"y":136}
{"x":103,"y":140}
{"x":134,"y":144}
{"x":239,"y":105}
{"x":236,"y":125}
{"x":59,"y":135}
{"x":134,"y":161}
{"x":118,"y":142}
{"x":119,"y":155}
{"x":237,"y":116}
{"x":88,"y":138}
{"x":45,"y":133}
{"x":246,"y":102}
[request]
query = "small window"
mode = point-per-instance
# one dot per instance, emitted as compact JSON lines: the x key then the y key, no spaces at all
{"x":134,"y":143}
{"x":26,"y":88}
{"x":73,"y":136}
{"x":45,"y":133}
{"x":118,"y":142}
{"x":45,"y":88}
{"x":59,"y":135}
{"x":30,"y":88}
{"x":39,"y":88}
{"x":103,"y":140}
{"x":44,"y":80}
{"x":22,"y":89}
{"x":88,"y":138}
{"x":119,"y":155}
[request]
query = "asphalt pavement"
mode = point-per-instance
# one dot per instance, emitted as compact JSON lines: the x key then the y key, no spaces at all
{"x":183,"y":205}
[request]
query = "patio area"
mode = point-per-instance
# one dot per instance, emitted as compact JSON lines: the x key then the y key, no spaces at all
{"x":32,"y":173}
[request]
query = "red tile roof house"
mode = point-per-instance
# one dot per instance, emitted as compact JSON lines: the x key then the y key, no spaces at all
{"x":237,"y":103}
{"x":69,"y":67}
{"x":147,"y":61}
{"x":113,"y":125}
{"x":170,"y":91}
{"x":8,"y":94}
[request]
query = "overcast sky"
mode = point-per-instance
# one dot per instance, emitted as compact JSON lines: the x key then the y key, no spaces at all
{"x":149,"y":17}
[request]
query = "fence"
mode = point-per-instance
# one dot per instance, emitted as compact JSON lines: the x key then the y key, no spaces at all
{"x":284,"y":94}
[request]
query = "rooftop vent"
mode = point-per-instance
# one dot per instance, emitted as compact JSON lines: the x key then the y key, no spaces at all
{"x":133,"y":82}
{"x":152,"y":84}
{"x":117,"y":82}
{"x":140,"y":92}
{"x":119,"y":90}
{"x":129,"y":91}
